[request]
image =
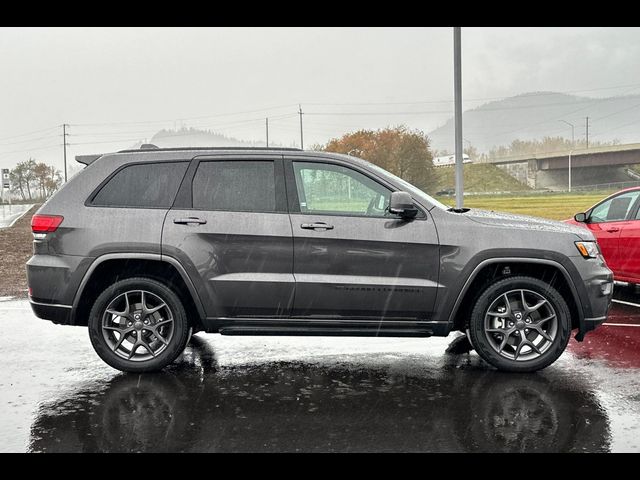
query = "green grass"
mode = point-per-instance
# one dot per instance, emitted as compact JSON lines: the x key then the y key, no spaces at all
{"x":552,"y":206}
{"x":479,"y":177}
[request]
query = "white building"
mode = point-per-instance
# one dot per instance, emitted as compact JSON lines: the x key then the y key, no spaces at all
{"x":450,"y":160}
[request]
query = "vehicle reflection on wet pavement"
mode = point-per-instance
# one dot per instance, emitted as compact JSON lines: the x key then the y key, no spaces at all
{"x":233,"y":394}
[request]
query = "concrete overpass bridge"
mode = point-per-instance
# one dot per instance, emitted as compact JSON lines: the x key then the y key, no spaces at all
{"x":589,"y":166}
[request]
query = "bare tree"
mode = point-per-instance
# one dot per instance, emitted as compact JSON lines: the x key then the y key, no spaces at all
{"x":29,"y":178}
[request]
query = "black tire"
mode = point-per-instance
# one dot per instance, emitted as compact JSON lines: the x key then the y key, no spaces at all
{"x":174,"y":346}
{"x":481,"y":341}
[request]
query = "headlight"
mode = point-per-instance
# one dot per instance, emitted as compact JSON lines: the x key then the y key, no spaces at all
{"x":588,"y":249}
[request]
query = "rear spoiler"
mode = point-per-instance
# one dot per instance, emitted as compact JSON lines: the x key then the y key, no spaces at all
{"x":88,"y":159}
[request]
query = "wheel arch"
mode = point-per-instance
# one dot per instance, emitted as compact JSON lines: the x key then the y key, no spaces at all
{"x":493,"y":269}
{"x":112,"y":267}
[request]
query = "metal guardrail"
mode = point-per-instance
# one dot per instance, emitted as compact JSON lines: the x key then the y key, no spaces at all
{"x":608,"y":186}
{"x":605,"y":187}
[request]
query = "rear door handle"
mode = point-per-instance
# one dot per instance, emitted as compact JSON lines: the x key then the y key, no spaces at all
{"x":316,"y":226}
{"x":188,"y":220}
{"x":613,"y":229}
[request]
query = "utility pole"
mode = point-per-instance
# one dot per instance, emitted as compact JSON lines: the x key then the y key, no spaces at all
{"x":457,"y":87}
{"x":573,"y":145}
{"x":587,"y":133}
{"x":267,"y":125}
{"x":64,"y":149}
{"x":301,"y":136}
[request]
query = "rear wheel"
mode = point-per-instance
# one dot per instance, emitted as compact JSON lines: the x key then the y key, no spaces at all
{"x":520,"y":324}
{"x":138,"y":325}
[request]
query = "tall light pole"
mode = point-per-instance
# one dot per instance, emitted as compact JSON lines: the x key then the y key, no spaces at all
{"x":457,"y":87}
{"x":301,"y":137}
{"x":573,"y":145}
{"x":64,"y":146}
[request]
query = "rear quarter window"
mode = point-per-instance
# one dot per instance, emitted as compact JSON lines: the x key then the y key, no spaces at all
{"x":145,"y":185}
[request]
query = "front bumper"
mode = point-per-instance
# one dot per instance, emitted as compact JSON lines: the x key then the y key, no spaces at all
{"x":597,"y":280}
{"x":588,"y":325}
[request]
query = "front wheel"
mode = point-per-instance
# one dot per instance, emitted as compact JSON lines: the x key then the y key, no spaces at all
{"x":520,"y":324}
{"x":138,"y":325}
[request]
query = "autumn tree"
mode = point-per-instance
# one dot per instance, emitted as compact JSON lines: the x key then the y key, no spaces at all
{"x":22,"y":178}
{"x":401,"y":151}
{"x":47,"y":179}
{"x":32,"y":180}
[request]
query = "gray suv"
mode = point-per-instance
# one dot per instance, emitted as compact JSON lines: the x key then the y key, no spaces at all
{"x":146,"y":247}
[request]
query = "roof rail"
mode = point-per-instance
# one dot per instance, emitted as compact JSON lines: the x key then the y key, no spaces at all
{"x":177,"y":149}
{"x":88,"y":159}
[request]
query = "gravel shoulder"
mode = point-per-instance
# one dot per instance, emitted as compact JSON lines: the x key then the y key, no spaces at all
{"x":15,"y":249}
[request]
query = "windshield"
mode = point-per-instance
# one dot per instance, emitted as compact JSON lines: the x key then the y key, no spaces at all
{"x":415,"y":191}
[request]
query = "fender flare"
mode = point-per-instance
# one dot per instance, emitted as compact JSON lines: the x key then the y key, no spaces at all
{"x":137,"y":256}
{"x":540,"y":261}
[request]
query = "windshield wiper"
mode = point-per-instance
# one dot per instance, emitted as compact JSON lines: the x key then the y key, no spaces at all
{"x":458,"y":210}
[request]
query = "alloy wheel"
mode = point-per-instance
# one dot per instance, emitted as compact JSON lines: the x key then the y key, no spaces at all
{"x":521,"y":325}
{"x":137,"y":325}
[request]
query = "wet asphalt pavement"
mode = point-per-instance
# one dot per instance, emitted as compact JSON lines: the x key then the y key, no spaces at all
{"x":314,"y":394}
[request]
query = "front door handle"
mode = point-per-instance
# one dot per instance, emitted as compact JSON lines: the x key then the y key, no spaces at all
{"x":188,"y":220}
{"x":613,"y":229}
{"x":316,"y":226}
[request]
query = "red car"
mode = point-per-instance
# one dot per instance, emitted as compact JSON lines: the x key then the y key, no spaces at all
{"x":615,"y":222}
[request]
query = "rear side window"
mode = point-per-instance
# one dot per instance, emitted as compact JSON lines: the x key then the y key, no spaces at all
{"x":239,"y":185}
{"x":142,"y":185}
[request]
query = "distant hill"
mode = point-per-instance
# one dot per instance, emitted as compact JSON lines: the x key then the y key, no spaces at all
{"x":535,"y":115}
{"x":193,"y":137}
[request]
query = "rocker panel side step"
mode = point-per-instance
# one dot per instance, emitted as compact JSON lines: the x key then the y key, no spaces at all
{"x":324,"y":331}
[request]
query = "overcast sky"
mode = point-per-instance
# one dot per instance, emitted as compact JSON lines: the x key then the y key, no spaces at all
{"x":119,"y":85}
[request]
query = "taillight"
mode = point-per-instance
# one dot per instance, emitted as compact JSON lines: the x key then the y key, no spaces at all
{"x":45,"y":223}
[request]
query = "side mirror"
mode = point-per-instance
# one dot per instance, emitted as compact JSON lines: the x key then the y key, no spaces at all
{"x":401,"y":204}
{"x":580,"y":217}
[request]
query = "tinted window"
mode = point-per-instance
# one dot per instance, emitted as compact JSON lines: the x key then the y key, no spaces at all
{"x":235,"y":186}
{"x":144,"y":185}
{"x":615,"y":209}
{"x":326,"y":188}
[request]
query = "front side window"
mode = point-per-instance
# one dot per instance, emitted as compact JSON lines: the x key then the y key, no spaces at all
{"x":334,"y":189}
{"x":238,"y":185}
{"x":142,"y":185}
{"x":614,"y":209}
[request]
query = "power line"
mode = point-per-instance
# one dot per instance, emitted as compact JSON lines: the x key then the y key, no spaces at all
{"x":619,"y":111}
{"x":29,"y":133}
{"x":209,"y":126}
{"x":540,"y":123}
{"x":123,"y":140}
{"x":479,"y":99}
{"x":29,"y":140}
{"x":141,"y":122}
{"x":429,"y":112}
{"x":31,"y":149}
{"x":616,"y":128}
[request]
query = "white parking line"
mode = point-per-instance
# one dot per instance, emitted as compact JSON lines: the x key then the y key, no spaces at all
{"x":627,"y":303}
{"x":621,"y":324}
